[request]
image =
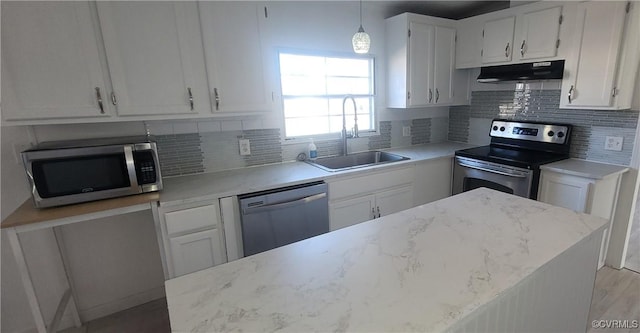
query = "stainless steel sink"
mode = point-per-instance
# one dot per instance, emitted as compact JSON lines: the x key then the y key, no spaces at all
{"x":357,"y":160}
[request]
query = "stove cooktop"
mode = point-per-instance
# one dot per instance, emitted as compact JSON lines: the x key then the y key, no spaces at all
{"x":517,"y":157}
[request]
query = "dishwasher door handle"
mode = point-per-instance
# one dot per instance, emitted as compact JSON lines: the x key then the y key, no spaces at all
{"x":285,"y":204}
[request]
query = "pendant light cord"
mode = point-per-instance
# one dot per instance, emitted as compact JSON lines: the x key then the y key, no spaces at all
{"x":360,"y":13}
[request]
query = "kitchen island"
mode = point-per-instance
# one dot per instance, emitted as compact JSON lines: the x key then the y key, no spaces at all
{"x":479,"y":261}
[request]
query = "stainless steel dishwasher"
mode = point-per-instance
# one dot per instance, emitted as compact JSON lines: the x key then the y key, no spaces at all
{"x":278,"y":217}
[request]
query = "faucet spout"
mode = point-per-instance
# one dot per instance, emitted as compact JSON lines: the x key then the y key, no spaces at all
{"x":354,"y":133}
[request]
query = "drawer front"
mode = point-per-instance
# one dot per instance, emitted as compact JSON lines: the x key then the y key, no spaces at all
{"x":191,"y":219}
{"x":370,"y":183}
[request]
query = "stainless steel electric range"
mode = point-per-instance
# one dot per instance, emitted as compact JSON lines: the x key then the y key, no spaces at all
{"x":511,"y":163}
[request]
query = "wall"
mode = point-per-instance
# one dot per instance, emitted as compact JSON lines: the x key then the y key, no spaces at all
{"x":539,"y":102}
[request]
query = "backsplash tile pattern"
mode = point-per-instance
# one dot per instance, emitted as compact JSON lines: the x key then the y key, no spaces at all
{"x":265,"y":146}
{"x":180,"y":154}
{"x":383,"y":140}
{"x":420,"y":131}
{"x":590,"y":127}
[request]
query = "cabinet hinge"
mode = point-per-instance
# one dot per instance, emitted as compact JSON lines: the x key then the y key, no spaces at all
{"x":409,"y":33}
{"x":628,"y":8}
{"x":560,"y":19}
{"x":408,"y":95}
{"x":557,"y":43}
{"x":266,"y":12}
{"x":482,"y":32}
{"x":614,"y":92}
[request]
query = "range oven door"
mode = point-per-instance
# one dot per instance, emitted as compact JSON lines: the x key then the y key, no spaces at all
{"x":469,"y":174}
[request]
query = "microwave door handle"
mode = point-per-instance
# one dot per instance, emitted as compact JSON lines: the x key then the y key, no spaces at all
{"x":503,"y":173}
{"x":286,"y":204}
{"x":131,"y":168}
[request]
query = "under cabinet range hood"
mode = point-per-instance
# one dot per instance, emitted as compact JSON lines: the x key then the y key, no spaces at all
{"x":545,"y":70}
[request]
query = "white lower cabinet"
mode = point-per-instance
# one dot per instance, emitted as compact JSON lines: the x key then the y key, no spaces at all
{"x":363,"y":198}
{"x":191,"y":236}
{"x":345,"y":213}
{"x":432,"y":180}
{"x":582,"y":194}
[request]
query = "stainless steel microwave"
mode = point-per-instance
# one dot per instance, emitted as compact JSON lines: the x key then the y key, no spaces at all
{"x":67,"y":172}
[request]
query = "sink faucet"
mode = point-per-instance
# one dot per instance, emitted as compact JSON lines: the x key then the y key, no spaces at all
{"x":354,"y":133}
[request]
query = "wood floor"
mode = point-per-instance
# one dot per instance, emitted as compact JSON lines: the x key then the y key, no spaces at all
{"x":616,"y":296}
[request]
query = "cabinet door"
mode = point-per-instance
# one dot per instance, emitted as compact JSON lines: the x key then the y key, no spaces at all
{"x":469,"y":44}
{"x":564,"y":191}
{"x":590,"y":72}
{"x":538,"y":34}
{"x":392,"y":201}
{"x":346,"y":213}
{"x":50,"y":62}
{"x":155,"y":57}
{"x":432,"y":180}
{"x":444,"y":64}
{"x":233,"y":33}
{"x":196,"y":251}
{"x":420,"y":69}
{"x":497,"y":43}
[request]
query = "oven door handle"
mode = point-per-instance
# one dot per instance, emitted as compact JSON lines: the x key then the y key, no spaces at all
{"x":499,"y":172}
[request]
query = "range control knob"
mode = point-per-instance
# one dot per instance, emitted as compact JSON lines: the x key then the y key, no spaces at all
{"x":502,"y":129}
{"x":495,"y":128}
{"x":550,"y":133}
{"x":560,"y":134}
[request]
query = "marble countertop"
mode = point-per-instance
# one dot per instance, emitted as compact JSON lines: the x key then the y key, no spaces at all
{"x":422,"y":269}
{"x":210,"y":186}
{"x":582,"y":168}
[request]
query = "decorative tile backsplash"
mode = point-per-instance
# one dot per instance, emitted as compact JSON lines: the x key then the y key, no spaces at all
{"x":590,"y":127}
{"x":183,"y":154}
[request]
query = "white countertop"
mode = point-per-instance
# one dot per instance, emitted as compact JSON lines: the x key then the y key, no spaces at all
{"x":422,"y":269}
{"x":209,"y":186}
{"x":582,"y":168}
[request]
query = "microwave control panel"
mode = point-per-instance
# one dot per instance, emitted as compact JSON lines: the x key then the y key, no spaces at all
{"x":145,"y":167}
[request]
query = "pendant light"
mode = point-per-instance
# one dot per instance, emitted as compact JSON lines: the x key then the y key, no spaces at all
{"x":361,"y":41}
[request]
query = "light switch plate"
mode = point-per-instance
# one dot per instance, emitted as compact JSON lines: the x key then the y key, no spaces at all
{"x":406,"y":130}
{"x":613,"y":143}
{"x":245,"y":147}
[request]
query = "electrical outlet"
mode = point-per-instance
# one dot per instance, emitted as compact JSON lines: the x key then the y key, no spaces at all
{"x":613,"y":143}
{"x":406,"y":130}
{"x":245,"y":147}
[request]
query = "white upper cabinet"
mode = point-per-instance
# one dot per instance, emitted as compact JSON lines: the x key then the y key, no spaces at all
{"x":421,"y":62}
{"x":444,"y":58}
{"x":469,"y":43}
{"x":592,"y":70}
{"x":497,"y":43}
{"x":515,"y":35}
{"x":420,"y":71}
{"x":155,"y":56}
{"x":233,"y":34}
{"x":537,"y":34}
{"x":50,"y":62}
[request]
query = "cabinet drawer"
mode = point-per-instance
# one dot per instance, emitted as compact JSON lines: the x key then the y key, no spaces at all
{"x":191,"y":219}
{"x":370,"y":183}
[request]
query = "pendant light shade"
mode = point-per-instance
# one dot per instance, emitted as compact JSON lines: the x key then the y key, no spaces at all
{"x":361,"y":41}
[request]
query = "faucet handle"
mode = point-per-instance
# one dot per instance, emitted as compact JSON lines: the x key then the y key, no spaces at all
{"x":354,"y":130}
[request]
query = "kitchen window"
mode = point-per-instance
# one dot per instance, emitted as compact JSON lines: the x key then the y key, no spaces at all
{"x":313,"y":89}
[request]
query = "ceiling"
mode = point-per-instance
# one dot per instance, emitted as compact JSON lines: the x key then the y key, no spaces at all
{"x":441,"y":8}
